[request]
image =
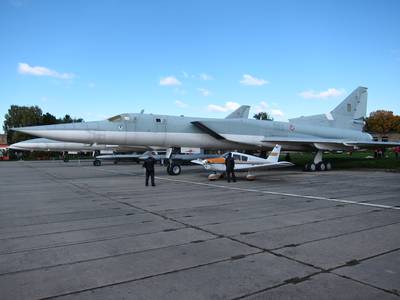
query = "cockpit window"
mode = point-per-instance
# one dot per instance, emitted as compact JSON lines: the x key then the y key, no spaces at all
{"x":119,"y":118}
{"x":244,"y":158}
{"x":236,"y":157}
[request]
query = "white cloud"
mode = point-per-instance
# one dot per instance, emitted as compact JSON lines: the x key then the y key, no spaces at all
{"x":277,"y":113}
{"x":228,"y":106}
{"x":263,"y":106}
{"x":169,"y":81}
{"x":204,"y":92}
{"x":331,"y":92}
{"x":204,"y":76}
{"x":251,"y":80}
{"x":24,"y":68}
{"x":180,"y":104}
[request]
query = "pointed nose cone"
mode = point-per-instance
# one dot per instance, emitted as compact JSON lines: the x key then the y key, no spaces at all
{"x":63,"y":132}
{"x":17,"y":146}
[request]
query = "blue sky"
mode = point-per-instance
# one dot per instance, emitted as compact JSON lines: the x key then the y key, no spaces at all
{"x":95,"y":59}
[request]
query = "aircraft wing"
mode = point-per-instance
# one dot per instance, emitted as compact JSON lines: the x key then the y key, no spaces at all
{"x":330,"y":144}
{"x":279,"y":164}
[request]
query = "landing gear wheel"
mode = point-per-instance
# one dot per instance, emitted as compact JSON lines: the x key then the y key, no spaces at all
{"x":312,"y":167}
{"x":97,"y":163}
{"x":306,"y":167}
{"x":175,"y":169}
{"x":321,"y":166}
{"x":66,"y":159}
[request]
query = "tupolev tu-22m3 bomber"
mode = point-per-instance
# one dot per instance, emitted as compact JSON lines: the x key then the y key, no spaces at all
{"x":338,"y":130}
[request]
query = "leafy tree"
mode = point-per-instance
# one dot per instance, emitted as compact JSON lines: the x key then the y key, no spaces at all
{"x":49,"y":119}
{"x":382,"y":121}
{"x":68,"y":119}
{"x":263,"y":116}
{"x":18,"y":116}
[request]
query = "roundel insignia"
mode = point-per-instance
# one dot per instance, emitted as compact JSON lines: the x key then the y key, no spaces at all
{"x":291,"y":127}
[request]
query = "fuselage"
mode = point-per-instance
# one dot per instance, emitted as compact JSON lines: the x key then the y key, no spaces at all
{"x":173,"y":131}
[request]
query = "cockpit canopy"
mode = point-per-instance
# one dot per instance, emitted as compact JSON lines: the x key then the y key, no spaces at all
{"x":120,"y":118}
{"x":236,"y":156}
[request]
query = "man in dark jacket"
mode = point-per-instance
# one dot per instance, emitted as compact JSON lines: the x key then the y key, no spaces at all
{"x":149,"y":165}
{"x":230,"y":168}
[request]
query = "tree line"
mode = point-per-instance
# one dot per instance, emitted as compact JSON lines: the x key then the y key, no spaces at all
{"x":19,"y":116}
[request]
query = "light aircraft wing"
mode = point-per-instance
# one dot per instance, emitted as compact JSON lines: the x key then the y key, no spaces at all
{"x":279,"y":164}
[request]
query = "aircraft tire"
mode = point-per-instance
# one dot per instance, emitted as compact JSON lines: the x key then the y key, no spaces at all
{"x":312,"y":167}
{"x":97,"y":163}
{"x":306,"y":168}
{"x":328,"y":166}
{"x":321,"y":166}
{"x":175,"y":169}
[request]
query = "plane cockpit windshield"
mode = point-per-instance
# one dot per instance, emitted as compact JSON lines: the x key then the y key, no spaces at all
{"x":119,"y":118}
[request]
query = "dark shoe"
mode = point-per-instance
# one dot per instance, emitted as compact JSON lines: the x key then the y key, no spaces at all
{"x":153,"y":185}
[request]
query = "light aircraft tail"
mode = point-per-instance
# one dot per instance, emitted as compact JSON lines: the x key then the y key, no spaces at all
{"x":241,"y":113}
{"x":274,"y":155}
{"x":349,"y":114}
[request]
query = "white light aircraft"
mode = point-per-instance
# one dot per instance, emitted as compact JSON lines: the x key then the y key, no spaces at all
{"x":243,"y":162}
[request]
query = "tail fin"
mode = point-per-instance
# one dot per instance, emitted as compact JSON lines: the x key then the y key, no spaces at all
{"x":349,"y":114}
{"x":354,"y":107}
{"x":274,"y":155}
{"x":241,"y":113}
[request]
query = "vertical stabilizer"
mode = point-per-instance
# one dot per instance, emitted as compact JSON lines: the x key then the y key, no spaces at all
{"x":241,"y":113}
{"x":273,"y":157}
{"x":349,"y":114}
{"x":354,"y":107}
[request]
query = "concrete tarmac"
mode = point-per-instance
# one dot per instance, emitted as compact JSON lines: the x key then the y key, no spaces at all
{"x":75,"y":231}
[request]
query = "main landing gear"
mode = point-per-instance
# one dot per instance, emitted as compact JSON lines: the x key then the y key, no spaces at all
{"x":173,"y":168}
{"x":318,"y":164}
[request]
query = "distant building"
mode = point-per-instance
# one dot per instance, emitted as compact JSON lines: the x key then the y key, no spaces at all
{"x":387,"y":137}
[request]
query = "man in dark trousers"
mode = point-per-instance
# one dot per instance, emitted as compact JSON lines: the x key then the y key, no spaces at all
{"x":230,"y":167}
{"x":149,"y":165}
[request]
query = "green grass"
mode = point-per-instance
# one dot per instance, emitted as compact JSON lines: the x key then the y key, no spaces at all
{"x":358,"y":160}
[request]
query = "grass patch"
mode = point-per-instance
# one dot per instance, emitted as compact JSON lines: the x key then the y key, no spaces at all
{"x":357,"y":160}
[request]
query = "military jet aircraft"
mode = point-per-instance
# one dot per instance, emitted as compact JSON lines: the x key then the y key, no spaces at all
{"x":243,"y":162}
{"x":338,"y":130}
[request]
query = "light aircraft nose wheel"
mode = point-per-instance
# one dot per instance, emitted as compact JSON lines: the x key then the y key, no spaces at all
{"x":97,"y":163}
{"x":321,"y":166}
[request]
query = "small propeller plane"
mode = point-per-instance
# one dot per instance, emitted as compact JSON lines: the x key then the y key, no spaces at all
{"x":243,"y":162}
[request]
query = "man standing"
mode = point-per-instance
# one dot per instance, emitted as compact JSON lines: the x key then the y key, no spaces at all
{"x":149,"y":165}
{"x":230,"y":167}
